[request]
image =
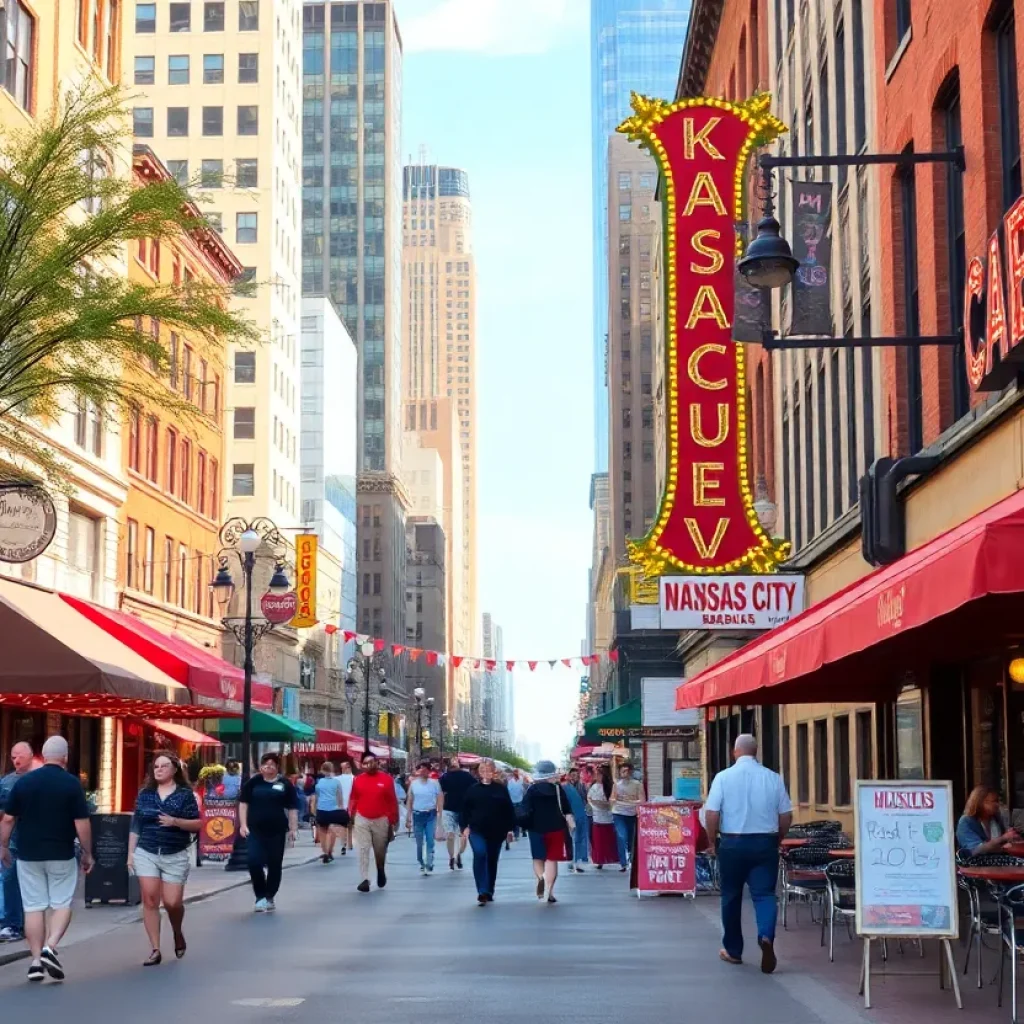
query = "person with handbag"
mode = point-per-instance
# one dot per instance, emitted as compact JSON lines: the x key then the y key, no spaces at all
{"x":547,"y":816}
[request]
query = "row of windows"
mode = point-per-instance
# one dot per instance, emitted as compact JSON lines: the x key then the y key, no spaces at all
{"x":648,"y":180}
{"x":212,"y":175}
{"x":834,"y":786}
{"x":179,"y":69}
{"x":180,"y":17}
{"x":99,"y":28}
{"x":247,"y":121}
{"x":175,"y":569}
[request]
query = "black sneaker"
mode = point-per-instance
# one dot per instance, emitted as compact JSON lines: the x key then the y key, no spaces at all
{"x":364,"y":885}
{"x":458,"y":862}
{"x":482,"y":899}
{"x":382,"y":879}
{"x":36,"y":972}
{"x":51,"y":964}
{"x":451,"y":863}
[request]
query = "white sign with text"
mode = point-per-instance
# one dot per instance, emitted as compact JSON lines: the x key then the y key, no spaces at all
{"x":730,"y":602}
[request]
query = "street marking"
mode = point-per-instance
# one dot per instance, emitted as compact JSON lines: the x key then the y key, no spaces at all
{"x":267,"y":1002}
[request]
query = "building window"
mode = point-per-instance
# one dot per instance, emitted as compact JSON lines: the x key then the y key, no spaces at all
{"x":245,"y":367}
{"x":177,"y":122}
{"x":245,"y":423}
{"x":248,"y":120}
{"x":152,"y":448}
{"x":902,"y":19}
{"x":201,"y":483}
{"x":171,"y":474}
{"x":213,"y":17}
{"x":1009,"y":119}
{"x":142,"y":122}
{"x":134,"y":438}
{"x":803,"y":778}
{"x":912,"y":325}
{"x":243,"y":482}
{"x":213,"y":121}
{"x":131,"y":575}
{"x":179,"y":171}
{"x":246,"y":173}
{"x":821,"y":778}
{"x":173,"y":368}
{"x":184,"y":490}
{"x":197,"y":584}
{"x":181,"y":17}
{"x":214,"y":510}
{"x":213,"y":68}
{"x":625,"y":211}
{"x":182,"y":574}
{"x":860,"y":121}
{"x":168,"y":567}
{"x":147,"y":566}
{"x":841,"y":738}
{"x":248,"y":68}
{"x":248,"y":15}
{"x":625,"y":180}
{"x":145,"y":18}
{"x":786,"y":758}
{"x":145,"y":70}
{"x":211,"y":174}
{"x":245,"y":227}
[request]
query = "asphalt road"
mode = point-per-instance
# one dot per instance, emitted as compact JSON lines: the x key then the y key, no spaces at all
{"x":421,"y":949}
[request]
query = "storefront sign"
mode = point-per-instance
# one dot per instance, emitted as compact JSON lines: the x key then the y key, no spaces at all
{"x":666,"y":849}
{"x":305,"y":572}
{"x":994,"y":308}
{"x":109,"y":880}
{"x":279,"y":608}
{"x":706,"y":523}
{"x":217,"y":834}
{"x":28,"y":522}
{"x":905,"y":867}
{"x":730,"y":602}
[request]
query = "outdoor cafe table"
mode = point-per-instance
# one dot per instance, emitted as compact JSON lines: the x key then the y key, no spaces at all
{"x":789,"y":844}
{"x":1014,"y":849}
{"x":842,"y":854}
{"x":998,"y":875}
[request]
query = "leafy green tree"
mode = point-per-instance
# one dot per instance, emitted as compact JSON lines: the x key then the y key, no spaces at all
{"x":71,"y":212}
{"x":497,"y":751}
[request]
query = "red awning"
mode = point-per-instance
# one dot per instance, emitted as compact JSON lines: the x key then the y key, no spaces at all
{"x":330,"y":742}
{"x":184,"y":733}
{"x":214,"y":682}
{"x":583,"y":750}
{"x":936,"y":602}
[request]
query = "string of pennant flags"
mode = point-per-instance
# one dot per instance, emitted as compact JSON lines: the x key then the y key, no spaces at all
{"x":485,"y":664}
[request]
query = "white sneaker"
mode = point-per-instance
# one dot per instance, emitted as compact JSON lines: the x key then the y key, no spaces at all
{"x":271,"y":906}
{"x":10,"y":935}
{"x":261,"y":907}
{"x":423,"y":869}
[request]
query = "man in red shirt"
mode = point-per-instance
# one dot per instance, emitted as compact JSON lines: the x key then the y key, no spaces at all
{"x":373,"y":808}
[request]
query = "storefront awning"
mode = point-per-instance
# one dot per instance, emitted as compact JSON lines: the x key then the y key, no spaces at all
{"x":213,"y":681}
{"x":183,"y":733}
{"x":331,"y":742}
{"x":615,"y":723}
{"x":54,"y":659}
{"x":266,"y":727}
{"x":938,"y":601}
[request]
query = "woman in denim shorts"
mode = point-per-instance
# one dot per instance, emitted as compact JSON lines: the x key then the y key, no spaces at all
{"x":166,"y":817}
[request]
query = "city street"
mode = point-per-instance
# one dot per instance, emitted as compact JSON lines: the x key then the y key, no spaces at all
{"x":423,"y":949}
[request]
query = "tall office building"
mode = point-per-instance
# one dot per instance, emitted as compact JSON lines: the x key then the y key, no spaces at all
{"x":635,"y":46}
{"x":439,"y":360}
{"x":351,"y":251}
{"x":497,"y":716}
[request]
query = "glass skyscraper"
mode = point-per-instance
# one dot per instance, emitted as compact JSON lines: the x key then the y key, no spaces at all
{"x":635,"y":46}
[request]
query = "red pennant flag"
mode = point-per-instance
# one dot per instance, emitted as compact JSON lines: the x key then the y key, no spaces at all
{"x":590,"y":659}
{"x":415,"y":652}
{"x":491,"y":664}
{"x":567,"y":662}
{"x":477,"y":663}
{"x":509,"y":665}
{"x":378,"y":645}
{"x":330,"y":628}
{"x":613,"y":655}
{"x":348,"y":635}
{"x":431,"y":657}
{"x":396,"y":649}
{"x":456,"y":660}
{"x":532,"y":665}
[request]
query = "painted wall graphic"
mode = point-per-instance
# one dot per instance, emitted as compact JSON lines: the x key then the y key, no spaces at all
{"x":706,"y":523}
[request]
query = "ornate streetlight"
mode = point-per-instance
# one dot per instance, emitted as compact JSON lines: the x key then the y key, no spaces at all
{"x":360,"y":671}
{"x":422,"y":701}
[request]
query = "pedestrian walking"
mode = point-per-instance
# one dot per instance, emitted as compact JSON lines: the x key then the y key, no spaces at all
{"x":580,"y":836}
{"x":746,"y":813}
{"x":329,"y":810}
{"x":605,"y":848}
{"x":345,"y":780}
{"x":49,"y":809}
{"x":424,"y":805}
{"x":488,"y":819}
{"x":628,"y":795}
{"x":516,"y":790}
{"x":268,"y":815}
{"x":165,"y":820}
{"x":548,"y":818}
{"x":12,"y":921}
{"x":373,"y":808}
{"x":455,"y":784}
{"x":232,"y":782}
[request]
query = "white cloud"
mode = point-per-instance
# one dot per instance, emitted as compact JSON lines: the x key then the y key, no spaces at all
{"x":499,"y":27}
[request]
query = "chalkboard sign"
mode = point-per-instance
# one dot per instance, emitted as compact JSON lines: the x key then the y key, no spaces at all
{"x":665,"y":856}
{"x":905,"y":864}
{"x":110,"y":881}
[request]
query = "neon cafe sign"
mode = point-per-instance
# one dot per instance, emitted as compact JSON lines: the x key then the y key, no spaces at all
{"x":706,"y":522}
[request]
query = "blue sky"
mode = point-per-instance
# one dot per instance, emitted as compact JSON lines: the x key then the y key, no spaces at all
{"x":501,"y":89}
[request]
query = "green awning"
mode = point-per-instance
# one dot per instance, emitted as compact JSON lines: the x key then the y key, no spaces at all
{"x":266,"y":726}
{"x":618,"y":722}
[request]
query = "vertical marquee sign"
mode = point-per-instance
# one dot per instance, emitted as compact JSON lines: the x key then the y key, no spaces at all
{"x":707,"y":522}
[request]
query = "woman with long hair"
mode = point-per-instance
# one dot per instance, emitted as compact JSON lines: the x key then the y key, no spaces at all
{"x":603,"y":844}
{"x":548,"y":817}
{"x":165,"y":819}
{"x":981,"y":828}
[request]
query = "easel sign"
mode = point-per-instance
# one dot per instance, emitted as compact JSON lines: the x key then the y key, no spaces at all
{"x":905,"y":868}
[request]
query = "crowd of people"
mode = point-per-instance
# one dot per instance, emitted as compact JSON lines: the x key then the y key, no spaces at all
{"x":577,"y":818}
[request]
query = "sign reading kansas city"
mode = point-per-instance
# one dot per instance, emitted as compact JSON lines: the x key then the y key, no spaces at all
{"x":730,"y":602}
{"x":706,"y":522}
{"x":28,"y":521}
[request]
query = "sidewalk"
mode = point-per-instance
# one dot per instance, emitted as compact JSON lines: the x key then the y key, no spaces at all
{"x":203,"y":882}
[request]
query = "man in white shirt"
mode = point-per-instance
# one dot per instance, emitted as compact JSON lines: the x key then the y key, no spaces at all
{"x":747,"y":812}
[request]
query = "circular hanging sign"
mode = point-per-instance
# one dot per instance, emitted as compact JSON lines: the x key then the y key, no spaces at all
{"x":279,"y":608}
{"x":28,"y":522}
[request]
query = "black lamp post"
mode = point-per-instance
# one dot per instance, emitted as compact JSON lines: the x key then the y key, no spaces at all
{"x":422,"y":701}
{"x":243,"y":538}
{"x":360,"y":670}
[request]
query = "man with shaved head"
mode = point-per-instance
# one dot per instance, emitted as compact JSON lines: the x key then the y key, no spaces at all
{"x":747,"y":812}
{"x":12,"y":921}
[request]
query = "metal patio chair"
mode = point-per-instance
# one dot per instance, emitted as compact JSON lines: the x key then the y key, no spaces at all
{"x":840,"y":899}
{"x":984,"y":922}
{"x":802,"y":877}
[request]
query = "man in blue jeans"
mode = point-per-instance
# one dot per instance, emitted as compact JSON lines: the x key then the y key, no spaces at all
{"x":13,"y":918}
{"x":747,"y":812}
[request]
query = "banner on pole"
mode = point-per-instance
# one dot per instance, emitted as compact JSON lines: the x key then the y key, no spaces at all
{"x":305,"y":582}
{"x":812,"y":246}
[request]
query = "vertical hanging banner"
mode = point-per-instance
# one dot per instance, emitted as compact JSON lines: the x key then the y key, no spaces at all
{"x":706,"y":522}
{"x":305,"y":580}
{"x":812,"y":246}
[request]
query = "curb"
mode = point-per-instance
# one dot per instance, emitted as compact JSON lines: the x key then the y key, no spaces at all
{"x":136,"y":914}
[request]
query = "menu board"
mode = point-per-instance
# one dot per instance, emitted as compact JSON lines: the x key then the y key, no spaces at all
{"x":666,"y":844}
{"x":905,"y":865}
{"x":217,"y":835}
